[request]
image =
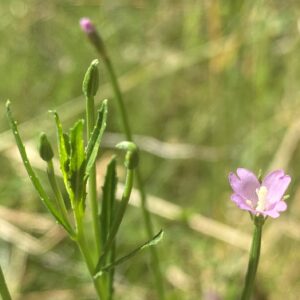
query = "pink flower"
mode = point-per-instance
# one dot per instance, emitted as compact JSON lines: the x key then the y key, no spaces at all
{"x":86,"y":25}
{"x":265,"y":198}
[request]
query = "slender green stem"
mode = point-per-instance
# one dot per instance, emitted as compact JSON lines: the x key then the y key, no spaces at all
{"x":146,"y":215}
{"x":111,"y":272}
{"x":253,"y":260}
{"x":58,"y":196}
{"x":90,"y":116}
{"x":119,"y":98}
{"x":85,"y":251}
{"x":150,"y":232}
{"x":99,"y":283}
{"x":4,"y":292}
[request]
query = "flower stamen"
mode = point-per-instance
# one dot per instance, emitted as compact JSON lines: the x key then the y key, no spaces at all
{"x":262,"y":198}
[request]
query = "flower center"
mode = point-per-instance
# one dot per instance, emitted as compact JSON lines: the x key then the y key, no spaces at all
{"x":262,"y":198}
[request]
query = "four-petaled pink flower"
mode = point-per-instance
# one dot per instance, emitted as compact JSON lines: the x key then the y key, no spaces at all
{"x":265,"y":198}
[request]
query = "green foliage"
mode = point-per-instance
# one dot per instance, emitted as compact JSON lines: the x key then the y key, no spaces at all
{"x":108,"y":200}
{"x":64,"y":151}
{"x":154,"y":241}
{"x":95,"y":139}
{"x":33,"y":177}
{"x":108,"y":207}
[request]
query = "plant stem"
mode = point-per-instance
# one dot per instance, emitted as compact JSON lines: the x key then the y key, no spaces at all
{"x":57,"y":192}
{"x":111,"y":273}
{"x":100,"y":283}
{"x":253,"y":260}
{"x":128,"y":133}
{"x":4,"y":292}
{"x":85,"y":251}
{"x":90,"y":116}
{"x":150,"y":232}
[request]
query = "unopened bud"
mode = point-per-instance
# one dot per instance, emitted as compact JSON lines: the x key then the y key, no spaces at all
{"x":87,"y":26}
{"x":90,"y":83}
{"x":132,"y":154}
{"x":90,"y":30}
{"x":45,"y":149}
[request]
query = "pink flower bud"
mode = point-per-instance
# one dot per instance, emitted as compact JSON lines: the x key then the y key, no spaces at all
{"x":87,"y":26}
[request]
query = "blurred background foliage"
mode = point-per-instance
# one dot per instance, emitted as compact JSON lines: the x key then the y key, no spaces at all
{"x":217,"y":80}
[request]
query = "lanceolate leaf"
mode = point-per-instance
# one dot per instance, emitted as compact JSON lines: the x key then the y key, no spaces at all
{"x":156,"y":239}
{"x":95,"y":139}
{"x":34,"y":179}
{"x":77,"y":161}
{"x":64,"y":151}
{"x":107,"y":215}
{"x":108,"y":200}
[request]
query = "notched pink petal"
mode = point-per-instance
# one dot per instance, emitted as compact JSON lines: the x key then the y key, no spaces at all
{"x":281,"y":206}
{"x":245,"y":184}
{"x":277,"y":183}
{"x":273,"y":175}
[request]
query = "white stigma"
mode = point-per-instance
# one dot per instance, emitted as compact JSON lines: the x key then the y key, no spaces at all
{"x":262,"y":198}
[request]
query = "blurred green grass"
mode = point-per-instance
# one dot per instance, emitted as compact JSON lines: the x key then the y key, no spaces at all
{"x":217,"y":73}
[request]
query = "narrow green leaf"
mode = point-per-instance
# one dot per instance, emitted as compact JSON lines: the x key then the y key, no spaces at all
{"x":67,"y":143}
{"x":64,"y":153}
{"x":4,"y":292}
{"x":34,"y":179}
{"x":95,"y":139}
{"x":118,"y":217}
{"x":156,"y":239}
{"x":107,"y":215}
{"x":77,"y":161}
{"x":108,"y":200}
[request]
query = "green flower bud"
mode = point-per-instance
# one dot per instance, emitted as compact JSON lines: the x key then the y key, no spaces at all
{"x":132,"y":154}
{"x":90,"y":83}
{"x":45,"y":149}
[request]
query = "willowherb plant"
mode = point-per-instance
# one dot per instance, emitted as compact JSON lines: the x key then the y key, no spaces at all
{"x":77,"y":166}
{"x":96,"y":40}
{"x":262,"y":198}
